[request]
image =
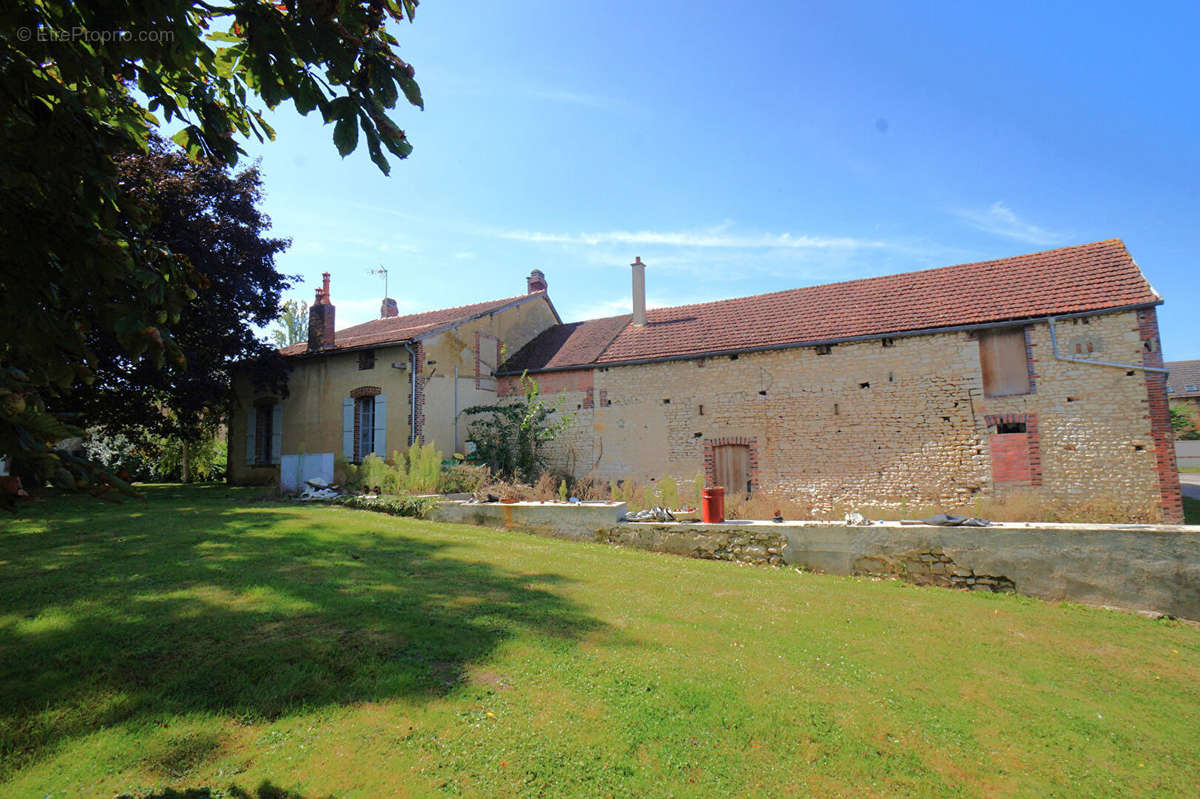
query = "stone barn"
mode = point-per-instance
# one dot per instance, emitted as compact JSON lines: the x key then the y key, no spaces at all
{"x":1040,"y":373}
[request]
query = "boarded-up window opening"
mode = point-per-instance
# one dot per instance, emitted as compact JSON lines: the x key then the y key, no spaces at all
{"x":1004,"y":360}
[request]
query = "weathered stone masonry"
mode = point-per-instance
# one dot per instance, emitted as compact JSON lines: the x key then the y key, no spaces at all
{"x":887,"y":420}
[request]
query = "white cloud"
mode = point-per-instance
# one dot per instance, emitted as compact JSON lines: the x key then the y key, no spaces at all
{"x":707,"y":239}
{"x":1000,"y":220}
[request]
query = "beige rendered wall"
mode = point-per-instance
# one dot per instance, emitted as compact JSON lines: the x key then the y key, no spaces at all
{"x":509,"y":331}
{"x":317,"y":386}
{"x":869,"y":423}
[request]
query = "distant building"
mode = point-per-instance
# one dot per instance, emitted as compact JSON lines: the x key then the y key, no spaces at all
{"x":1183,"y":384}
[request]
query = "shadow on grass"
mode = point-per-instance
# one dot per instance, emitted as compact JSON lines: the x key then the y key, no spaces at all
{"x":267,"y":790}
{"x":190,"y":603}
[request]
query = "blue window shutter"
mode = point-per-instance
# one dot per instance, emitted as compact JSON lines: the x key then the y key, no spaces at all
{"x":348,"y":427}
{"x":276,"y":432}
{"x":381,"y":426}
{"x":251,"y":418}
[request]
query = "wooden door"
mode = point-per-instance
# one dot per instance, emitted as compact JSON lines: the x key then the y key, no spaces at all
{"x":731,"y":468}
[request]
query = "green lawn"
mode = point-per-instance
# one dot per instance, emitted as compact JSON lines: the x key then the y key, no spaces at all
{"x":1191,"y":510}
{"x":204,"y":640}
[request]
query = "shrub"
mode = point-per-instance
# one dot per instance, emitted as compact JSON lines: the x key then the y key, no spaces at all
{"x":464,"y":478}
{"x":510,"y":437}
{"x":416,"y":507}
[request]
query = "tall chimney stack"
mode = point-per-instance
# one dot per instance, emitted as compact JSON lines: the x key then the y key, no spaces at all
{"x":388,"y":309}
{"x":535,"y":282}
{"x":639,"y":291}
{"x":320,"y":318}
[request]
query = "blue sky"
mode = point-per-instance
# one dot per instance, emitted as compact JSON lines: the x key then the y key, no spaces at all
{"x":744,"y":149}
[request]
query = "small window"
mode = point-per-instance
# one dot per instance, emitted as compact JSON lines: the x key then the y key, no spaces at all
{"x":1006,"y":428}
{"x":824,"y":349}
{"x":264,"y":422}
{"x":1004,"y":361}
{"x":366,"y":359}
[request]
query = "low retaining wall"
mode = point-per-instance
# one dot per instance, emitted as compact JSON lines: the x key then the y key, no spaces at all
{"x":1153,"y":568}
{"x":578,"y":521}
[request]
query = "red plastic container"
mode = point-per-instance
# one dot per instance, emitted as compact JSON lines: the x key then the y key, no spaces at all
{"x":712,"y":505}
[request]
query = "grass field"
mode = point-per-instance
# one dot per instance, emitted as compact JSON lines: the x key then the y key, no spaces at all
{"x":202,"y":641}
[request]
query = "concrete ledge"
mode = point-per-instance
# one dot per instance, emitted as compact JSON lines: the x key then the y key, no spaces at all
{"x":577,"y":521}
{"x":1154,"y":568}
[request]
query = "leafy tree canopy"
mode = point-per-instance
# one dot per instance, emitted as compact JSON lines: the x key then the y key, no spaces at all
{"x":84,"y":83}
{"x":209,"y":216}
{"x":292,"y":326}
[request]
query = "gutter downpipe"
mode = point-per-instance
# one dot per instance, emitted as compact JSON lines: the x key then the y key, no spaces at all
{"x":1061,"y":357}
{"x":412,"y":392}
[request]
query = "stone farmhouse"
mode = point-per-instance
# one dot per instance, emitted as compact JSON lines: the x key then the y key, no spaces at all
{"x":1040,"y":373}
{"x":1034,"y":373}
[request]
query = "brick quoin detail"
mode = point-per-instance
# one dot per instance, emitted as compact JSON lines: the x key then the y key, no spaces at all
{"x":1171,"y":502}
{"x":418,"y":424}
{"x":366,"y":391}
{"x":1029,"y":361}
{"x":710,"y":476}
{"x":1016,"y":457}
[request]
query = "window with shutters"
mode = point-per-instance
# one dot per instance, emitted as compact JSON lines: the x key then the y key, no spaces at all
{"x":364,"y":424}
{"x":1004,"y":361}
{"x":264,"y":430}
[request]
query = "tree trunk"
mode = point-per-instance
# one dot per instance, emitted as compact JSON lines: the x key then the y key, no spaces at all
{"x":186,"y":464}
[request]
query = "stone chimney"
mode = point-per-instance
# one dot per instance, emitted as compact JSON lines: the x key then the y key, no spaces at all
{"x":388,"y":309}
{"x":639,"y":291}
{"x":320,"y":319}
{"x":535,"y":282}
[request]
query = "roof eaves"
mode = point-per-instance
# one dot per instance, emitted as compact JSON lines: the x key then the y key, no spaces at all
{"x":463,"y":320}
{"x":791,"y":345}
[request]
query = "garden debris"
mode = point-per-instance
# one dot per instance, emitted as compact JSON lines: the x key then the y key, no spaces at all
{"x":856,"y":519}
{"x":655,"y":514}
{"x":951,"y":520}
{"x":311,"y":494}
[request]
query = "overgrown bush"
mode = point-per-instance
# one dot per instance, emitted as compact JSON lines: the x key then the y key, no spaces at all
{"x":155,"y":458}
{"x":510,"y":437}
{"x":416,"y":507}
{"x":417,"y":470}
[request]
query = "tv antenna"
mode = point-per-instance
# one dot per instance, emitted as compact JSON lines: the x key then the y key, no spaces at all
{"x":382,"y":270}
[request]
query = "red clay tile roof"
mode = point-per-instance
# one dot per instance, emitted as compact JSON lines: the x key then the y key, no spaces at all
{"x":567,"y":345}
{"x":405,"y":328}
{"x":1183,"y":374}
{"x":1086,"y":277}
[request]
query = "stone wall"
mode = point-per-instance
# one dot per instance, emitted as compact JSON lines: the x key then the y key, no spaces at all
{"x":1152,"y":568}
{"x":741,"y":544}
{"x":880,"y":421}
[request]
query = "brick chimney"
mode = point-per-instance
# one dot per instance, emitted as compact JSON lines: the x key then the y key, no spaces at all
{"x":535,"y":282}
{"x":388,"y":309}
{"x":320,"y":319}
{"x":639,"y":291}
